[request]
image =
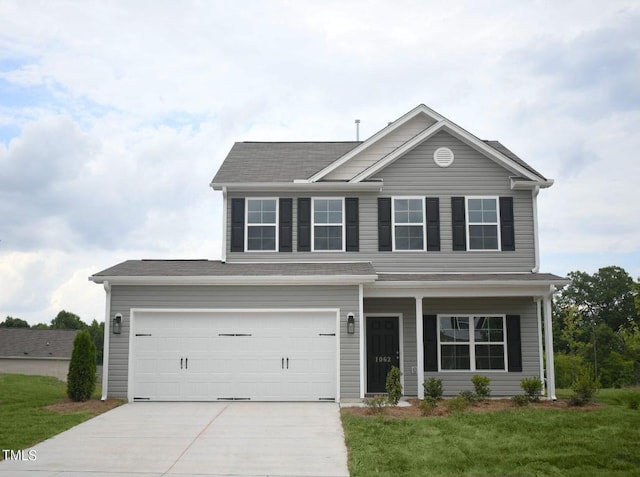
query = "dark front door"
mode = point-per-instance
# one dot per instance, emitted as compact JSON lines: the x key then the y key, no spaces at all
{"x":383,"y":351}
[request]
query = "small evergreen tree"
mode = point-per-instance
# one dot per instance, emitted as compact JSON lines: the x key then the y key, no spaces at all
{"x":81,"y":380}
{"x":393,"y":385}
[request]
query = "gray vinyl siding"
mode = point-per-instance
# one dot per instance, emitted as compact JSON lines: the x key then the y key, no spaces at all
{"x":406,"y":307}
{"x":123,"y":298}
{"x":502,"y":383}
{"x":381,"y":148}
{"x":416,"y":174}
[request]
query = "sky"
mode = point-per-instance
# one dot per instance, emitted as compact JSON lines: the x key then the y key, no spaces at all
{"x":115,"y":115}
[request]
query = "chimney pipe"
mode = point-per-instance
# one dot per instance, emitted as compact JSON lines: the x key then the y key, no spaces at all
{"x":357,"y":129}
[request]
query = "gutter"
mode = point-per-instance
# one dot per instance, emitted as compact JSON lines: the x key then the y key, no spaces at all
{"x":536,"y":244}
{"x":371,"y":186}
{"x":237,"y":280}
{"x":107,"y":335}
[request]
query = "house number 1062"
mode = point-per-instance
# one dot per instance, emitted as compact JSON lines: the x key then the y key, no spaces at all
{"x":383,"y":359}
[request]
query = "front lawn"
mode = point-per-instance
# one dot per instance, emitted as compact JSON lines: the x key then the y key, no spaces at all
{"x":516,"y":441}
{"x":25,"y":421}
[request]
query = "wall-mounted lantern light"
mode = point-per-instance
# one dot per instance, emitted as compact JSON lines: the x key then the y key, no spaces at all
{"x":351,"y":324}
{"x":117,"y":324}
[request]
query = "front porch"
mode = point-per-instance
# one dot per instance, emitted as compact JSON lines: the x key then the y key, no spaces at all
{"x":455,"y":328}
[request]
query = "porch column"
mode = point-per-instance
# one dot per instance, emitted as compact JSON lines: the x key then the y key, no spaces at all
{"x":361,"y":337}
{"x":420,"y":347}
{"x":548,"y":335}
{"x":540,"y":347}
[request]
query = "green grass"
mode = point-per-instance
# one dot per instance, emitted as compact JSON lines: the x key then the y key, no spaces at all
{"x":23,"y":420}
{"x":523,"y":442}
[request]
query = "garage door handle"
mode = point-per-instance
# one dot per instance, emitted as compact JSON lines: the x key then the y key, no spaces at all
{"x":287,"y":363}
{"x":282,"y":365}
{"x":186,"y":363}
{"x":180,"y":363}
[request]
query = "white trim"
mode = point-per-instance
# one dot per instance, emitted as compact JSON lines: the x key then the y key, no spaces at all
{"x":540,"y":348}
{"x":107,"y":341}
{"x":223,"y":254}
{"x":536,"y":242}
{"x":420,"y":109}
{"x":247,"y":225}
{"x":420,"y":346}
{"x":400,"y":343}
{"x":313,"y":224}
{"x":134,"y":311}
{"x":361,"y":337}
{"x":331,"y":186}
{"x":548,"y":334}
{"x":239,"y":280}
{"x":462,"y":135}
{"x":423,"y":223}
{"x":472,"y":342}
{"x":439,"y":289}
{"x":468,"y":222}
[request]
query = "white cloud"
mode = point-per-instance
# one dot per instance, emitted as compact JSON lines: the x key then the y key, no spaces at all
{"x":125,"y":111}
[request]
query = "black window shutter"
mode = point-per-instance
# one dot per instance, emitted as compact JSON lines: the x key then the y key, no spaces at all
{"x":433,"y":224}
{"x":237,"y":225}
{"x":507,"y":235}
{"x":514,"y":346}
{"x":430,"y":342}
{"x":458,"y":225}
{"x":304,"y":224}
{"x":384,"y":224}
{"x":353,"y":224}
{"x":285,"y":225}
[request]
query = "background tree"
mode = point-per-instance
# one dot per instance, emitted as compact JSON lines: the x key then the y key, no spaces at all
{"x":596,"y":321}
{"x":96,"y":330}
{"x":11,"y":322}
{"x":66,"y":320}
{"x":81,"y":379}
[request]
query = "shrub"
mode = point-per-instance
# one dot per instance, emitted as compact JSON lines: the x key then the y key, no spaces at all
{"x":631,"y":399}
{"x":584,"y":388}
{"x":393,"y":385}
{"x":81,"y":379}
{"x":532,"y":388}
{"x":428,"y":405}
{"x":481,"y":384}
{"x":457,"y":404}
{"x":433,"y":388}
{"x":520,"y":399}
{"x":376,"y":404}
{"x":468,"y":396}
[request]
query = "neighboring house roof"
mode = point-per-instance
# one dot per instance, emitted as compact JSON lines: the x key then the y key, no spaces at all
{"x":219,"y":272}
{"x":29,"y":343}
{"x":279,"y":161}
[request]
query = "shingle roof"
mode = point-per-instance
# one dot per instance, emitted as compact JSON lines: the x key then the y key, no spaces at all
{"x":288,"y":161}
{"x":212,"y":268}
{"x":29,"y":343}
{"x":498,"y":146}
{"x":279,"y":161}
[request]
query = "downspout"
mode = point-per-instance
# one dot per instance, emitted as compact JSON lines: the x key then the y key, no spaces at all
{"x":223,"y":255}
{"x":107,"y":335}
{"x":548,"y":334}
{"x":540,"y":348}
{"x":536,"y":249}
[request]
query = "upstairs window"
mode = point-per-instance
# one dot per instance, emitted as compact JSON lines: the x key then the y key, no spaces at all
{"x":262,"y":223}
{"x":328,"y":224}
{"x":482,"y":223}
{"x":408,"y":223}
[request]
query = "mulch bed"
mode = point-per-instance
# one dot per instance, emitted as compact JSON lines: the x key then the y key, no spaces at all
{"x":94,"y":406}
{"x":491,"y":405}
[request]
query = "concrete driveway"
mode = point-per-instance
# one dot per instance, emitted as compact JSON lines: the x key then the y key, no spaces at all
{"x":195,"y":439}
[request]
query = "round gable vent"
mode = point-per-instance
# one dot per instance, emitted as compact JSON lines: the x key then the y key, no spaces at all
{"x":443,"y":157}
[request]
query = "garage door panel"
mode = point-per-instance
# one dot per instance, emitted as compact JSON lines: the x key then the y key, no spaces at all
{"x":222,"y":364}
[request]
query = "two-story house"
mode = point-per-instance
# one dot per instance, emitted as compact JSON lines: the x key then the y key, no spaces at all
{"x":417,"y":247}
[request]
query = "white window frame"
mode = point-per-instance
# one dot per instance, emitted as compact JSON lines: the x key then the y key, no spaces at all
{"x":469,"y":223}
{"x":472,"y":343}
{"x":393,"y":224}
{"x":247,"y":225}
{"x":313,"y":225}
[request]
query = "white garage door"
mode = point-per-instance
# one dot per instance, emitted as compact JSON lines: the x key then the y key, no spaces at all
{"x":233,"y":355}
